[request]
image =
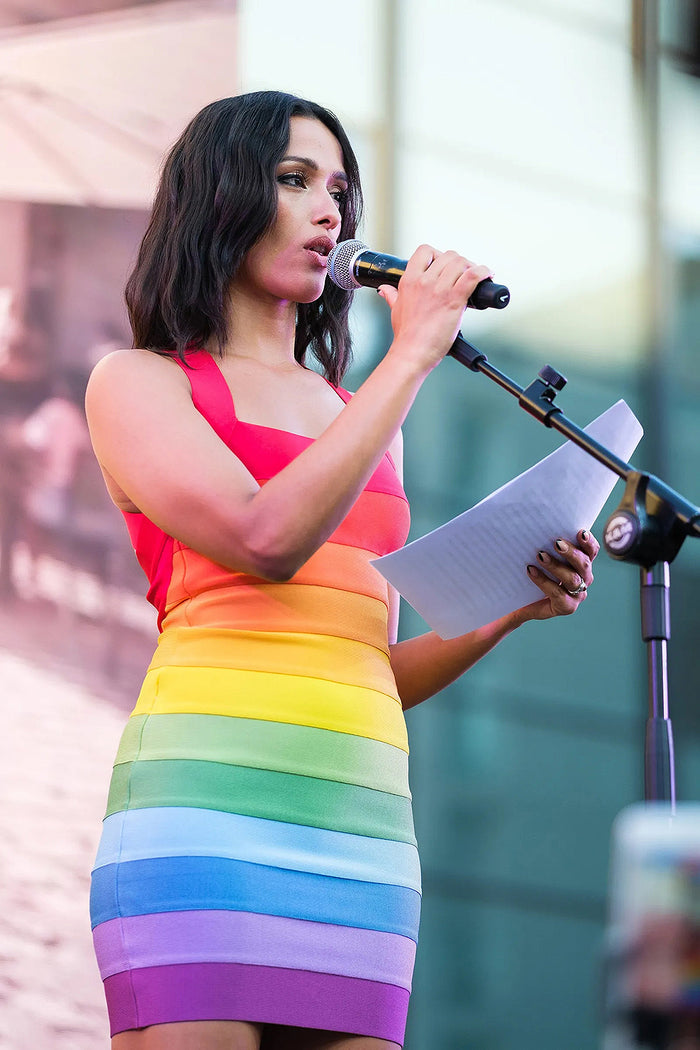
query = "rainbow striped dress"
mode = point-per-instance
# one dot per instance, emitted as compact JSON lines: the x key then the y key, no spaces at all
{"x":258,"y":859}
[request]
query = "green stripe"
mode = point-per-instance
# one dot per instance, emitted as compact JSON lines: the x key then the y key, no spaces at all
{"x":261,"y":793}
{"x":281,"y":746}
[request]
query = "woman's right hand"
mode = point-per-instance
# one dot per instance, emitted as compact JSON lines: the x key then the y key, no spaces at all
{"x":427,"y":307}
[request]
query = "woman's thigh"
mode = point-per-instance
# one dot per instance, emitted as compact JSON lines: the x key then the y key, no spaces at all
{"x":191,"y":1035}
{"x":281,"y":1037}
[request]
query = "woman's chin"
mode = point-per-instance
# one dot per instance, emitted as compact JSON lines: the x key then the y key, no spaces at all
{"x":309,"y":293}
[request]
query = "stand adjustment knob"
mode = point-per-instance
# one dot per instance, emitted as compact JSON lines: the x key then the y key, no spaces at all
{"x":621,"y":533}
{"x":551,"y":377}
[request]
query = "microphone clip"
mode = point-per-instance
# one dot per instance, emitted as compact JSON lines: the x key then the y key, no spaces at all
{"x":538,"y":397}
{"x":650,"y":523}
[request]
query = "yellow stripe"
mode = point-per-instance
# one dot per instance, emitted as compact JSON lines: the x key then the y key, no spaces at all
{"x":339,"y":660}
{"x":274,"y":698}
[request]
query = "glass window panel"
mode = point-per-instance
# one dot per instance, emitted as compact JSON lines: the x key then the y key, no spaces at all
{"x":517,"y":89}
{"x":570,"y":258}
{"x":318,"y":51}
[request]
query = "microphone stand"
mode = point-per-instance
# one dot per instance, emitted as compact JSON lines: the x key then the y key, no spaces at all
{"x":648,"y":528}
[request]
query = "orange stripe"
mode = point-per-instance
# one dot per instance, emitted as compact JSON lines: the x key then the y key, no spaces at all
{"x":286,"y":608}
{"x":333,"y":565}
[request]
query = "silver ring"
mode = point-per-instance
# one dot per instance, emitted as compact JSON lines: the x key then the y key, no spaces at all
{"x":579,"y":590}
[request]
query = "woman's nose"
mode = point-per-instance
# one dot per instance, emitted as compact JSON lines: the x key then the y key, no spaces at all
{"x":328,"y":212}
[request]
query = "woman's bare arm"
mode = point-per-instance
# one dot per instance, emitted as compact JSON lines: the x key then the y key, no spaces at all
{"x":166,"y":459}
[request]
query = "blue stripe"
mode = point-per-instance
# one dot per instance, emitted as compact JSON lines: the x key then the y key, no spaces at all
{"x":142,"y":887}
{"x":173,"y":831}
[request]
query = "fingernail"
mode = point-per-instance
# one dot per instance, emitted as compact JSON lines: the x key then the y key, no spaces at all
{"x":531,"y":570}
{"x":543,"y":557}
{"x":584,"y":535}
{"x":561,"y":546}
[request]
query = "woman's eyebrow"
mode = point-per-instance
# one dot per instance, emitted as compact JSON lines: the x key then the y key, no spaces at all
{"x":308,"y":162}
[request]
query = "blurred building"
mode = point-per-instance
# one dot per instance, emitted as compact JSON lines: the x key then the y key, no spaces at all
{"x":558,"y":141}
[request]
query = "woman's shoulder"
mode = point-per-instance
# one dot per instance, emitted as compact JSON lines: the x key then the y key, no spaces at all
{"x":121,"y":362}
{"x":135,"y":383}
{"x":126,"y":369}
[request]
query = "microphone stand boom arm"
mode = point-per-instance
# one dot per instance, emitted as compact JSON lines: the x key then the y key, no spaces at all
{"x":648,"y":528}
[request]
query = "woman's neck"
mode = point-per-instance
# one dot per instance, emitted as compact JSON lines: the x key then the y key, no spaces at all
{"x":261,"y":328}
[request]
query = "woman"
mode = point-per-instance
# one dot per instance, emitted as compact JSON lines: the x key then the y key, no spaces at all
{"x":257,"y":883}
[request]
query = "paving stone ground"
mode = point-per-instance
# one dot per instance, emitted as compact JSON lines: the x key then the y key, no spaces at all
{"x":66,"y":685}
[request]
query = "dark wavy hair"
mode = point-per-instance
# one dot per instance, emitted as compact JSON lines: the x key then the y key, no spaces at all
{"x":216,"y":198}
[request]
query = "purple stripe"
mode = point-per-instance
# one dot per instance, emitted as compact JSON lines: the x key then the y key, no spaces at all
{"x":170,"y":938}
{"x":269,"y":995}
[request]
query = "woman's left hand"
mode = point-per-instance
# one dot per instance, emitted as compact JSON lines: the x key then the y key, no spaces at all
{"x":572,"y":576}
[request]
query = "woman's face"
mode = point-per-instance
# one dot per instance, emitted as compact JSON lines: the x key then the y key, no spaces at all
{"x":289,"y":262}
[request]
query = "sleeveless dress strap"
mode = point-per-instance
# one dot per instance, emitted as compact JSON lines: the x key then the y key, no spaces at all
{"x":210,"y":392}
{"x":344,"y":395}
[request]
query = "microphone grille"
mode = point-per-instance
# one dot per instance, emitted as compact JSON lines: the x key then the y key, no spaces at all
{"x":340,"y":263}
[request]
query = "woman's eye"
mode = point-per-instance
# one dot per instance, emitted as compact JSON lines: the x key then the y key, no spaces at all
{"x":293,"y":178}
{"x":339,"y":196}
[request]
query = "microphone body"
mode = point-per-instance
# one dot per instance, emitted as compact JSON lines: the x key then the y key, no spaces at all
{"x":352,"y":265}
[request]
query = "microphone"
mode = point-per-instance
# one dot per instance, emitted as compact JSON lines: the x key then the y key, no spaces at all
{"x":352,"y":265}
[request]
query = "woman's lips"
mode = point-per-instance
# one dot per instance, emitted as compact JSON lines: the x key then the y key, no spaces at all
{"x":319,"y":249}
{"x":320,"y":258}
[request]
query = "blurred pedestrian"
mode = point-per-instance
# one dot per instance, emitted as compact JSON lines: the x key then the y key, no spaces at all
{"x":56,"y":436}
